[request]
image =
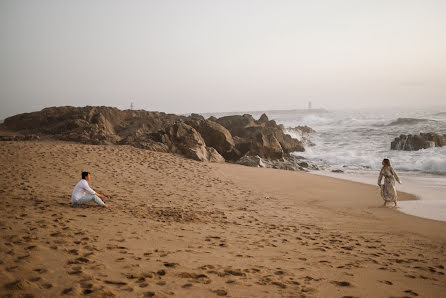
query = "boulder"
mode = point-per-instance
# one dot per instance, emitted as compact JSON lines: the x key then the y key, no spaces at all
{"x":289,"y":163}
{"x":216,"y":136}
{"x":417,"y":142}
{"x":237,"y":124}
{"x":303,"y":134}
{"x":439,"y":140}
{"x":144,"y":141}
{"x":252,"y":161}
{"x":212,"y":118}
{"x":262,"y":143}
{"x":263,"y":137}
{"x":302,"y":130}
{"x":263,"y":119}
{"x":183,"y":139}
{"x":196,"y":116}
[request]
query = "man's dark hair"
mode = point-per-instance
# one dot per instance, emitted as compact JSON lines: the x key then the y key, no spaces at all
{"x":84,"y":175}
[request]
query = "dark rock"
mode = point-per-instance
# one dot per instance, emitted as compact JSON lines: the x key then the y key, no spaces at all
{"x":263,"y":119}
{"x":183,"y":139}
{"x":337,"y":171}
{"x":90,"y":125}
{"x":289,"y":163}
{"x":417,"y":142}
{"x":302,"y":129}
{"x":237,"y":124}
{"x":263,"y":138}
{"x":216,"y":136}
{"x":196,"y":116}
{"x":214,"y":139}
{"x":252,"y":161}
{"x":303,"y":133}
{"x":303,"y":164}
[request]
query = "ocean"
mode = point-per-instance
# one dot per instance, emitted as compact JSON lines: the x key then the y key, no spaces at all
{"x":356,"y":141}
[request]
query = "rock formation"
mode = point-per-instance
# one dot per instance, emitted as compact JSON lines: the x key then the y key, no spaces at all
{"x":230,"y":138}
{"x":303,"y":134}
{"x":417,"y":142}
{"x":263,"y":138}
{"x":291,"y":163}
{"x":185,"y":140}
{"x":92,"y":125}
{"x":216,"y":136}
{"x":302,"y":130}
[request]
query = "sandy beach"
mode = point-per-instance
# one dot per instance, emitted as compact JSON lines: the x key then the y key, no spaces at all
{"x":181,"y":228}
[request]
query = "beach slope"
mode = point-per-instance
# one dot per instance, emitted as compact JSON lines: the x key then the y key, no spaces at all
{"x":177,"y":227}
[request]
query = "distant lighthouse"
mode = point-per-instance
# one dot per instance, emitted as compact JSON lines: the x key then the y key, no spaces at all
{"x":309,"y":105}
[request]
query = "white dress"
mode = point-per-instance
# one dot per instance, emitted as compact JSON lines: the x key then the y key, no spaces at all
{"x":388,"y":191}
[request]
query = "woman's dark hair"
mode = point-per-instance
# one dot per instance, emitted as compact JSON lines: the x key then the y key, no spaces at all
{"x":84,"y":175}
{"x":386,"y":161}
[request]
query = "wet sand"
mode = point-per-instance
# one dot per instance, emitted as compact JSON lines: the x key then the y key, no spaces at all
{"x":430,"y":192}
{"x":176,"y":227}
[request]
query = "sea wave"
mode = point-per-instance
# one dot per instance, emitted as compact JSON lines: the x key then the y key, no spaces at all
{"x":357,"y":141}
{"x":409,"y":121}
{"x":431,"y":165}
{"x":328,"y":120}
{"x":430,"y":160}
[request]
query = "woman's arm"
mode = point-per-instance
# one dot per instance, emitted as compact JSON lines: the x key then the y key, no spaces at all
{"x":396,"y":176}
{"x":380,"y":177}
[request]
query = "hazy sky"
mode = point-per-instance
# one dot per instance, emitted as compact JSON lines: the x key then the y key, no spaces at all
{"x":206,"y":56}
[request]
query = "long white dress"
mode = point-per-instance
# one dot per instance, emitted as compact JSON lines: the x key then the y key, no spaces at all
{"x":388,"y":191}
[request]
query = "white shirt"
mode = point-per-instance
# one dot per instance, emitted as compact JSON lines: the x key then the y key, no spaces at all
{"x":80,"y":190}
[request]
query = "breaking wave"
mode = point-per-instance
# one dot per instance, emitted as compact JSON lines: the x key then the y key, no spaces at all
{"x":409,"y":121}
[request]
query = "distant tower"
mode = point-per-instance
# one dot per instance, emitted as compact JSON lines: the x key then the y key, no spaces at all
{"x":131,"y":105}
{"x":309,"y":105}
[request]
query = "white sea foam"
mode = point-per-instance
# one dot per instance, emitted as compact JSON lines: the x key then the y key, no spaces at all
{"x":361,"y":139}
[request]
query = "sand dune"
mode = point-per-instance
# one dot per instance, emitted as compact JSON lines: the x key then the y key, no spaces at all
{"x":176,"y":227}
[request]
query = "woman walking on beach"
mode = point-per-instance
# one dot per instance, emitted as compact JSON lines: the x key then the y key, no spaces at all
{"x":388,"y":191}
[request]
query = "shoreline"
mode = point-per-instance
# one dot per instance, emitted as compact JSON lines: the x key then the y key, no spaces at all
{"x":429,"y":201}
{"x":183,"y":228}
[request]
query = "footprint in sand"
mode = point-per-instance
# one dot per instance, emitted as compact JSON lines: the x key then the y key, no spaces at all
{"x":220,"y":292}
{"x":410,"y":292}
{"x":342,"y":283}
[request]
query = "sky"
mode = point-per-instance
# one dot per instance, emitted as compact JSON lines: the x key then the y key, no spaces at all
{"x":219,"y":56}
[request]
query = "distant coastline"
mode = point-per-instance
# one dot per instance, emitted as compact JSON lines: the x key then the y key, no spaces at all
{"x":294,"y":111}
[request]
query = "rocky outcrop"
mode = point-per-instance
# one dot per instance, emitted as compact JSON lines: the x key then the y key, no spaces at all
{"x":226,"y":138}
{"x":216,"y":136}
{"x":302,"y":133}
{"x":91,"y":125}
{"x":263,"y":137}
{"x":252,"y":161}
{"x":290,"y":163}
{"x":302,"y":130}
{"x":183,"y":139}
{"x":417,"y":142}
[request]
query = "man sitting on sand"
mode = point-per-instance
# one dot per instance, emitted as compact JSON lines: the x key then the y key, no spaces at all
{"x":82,"y":193}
